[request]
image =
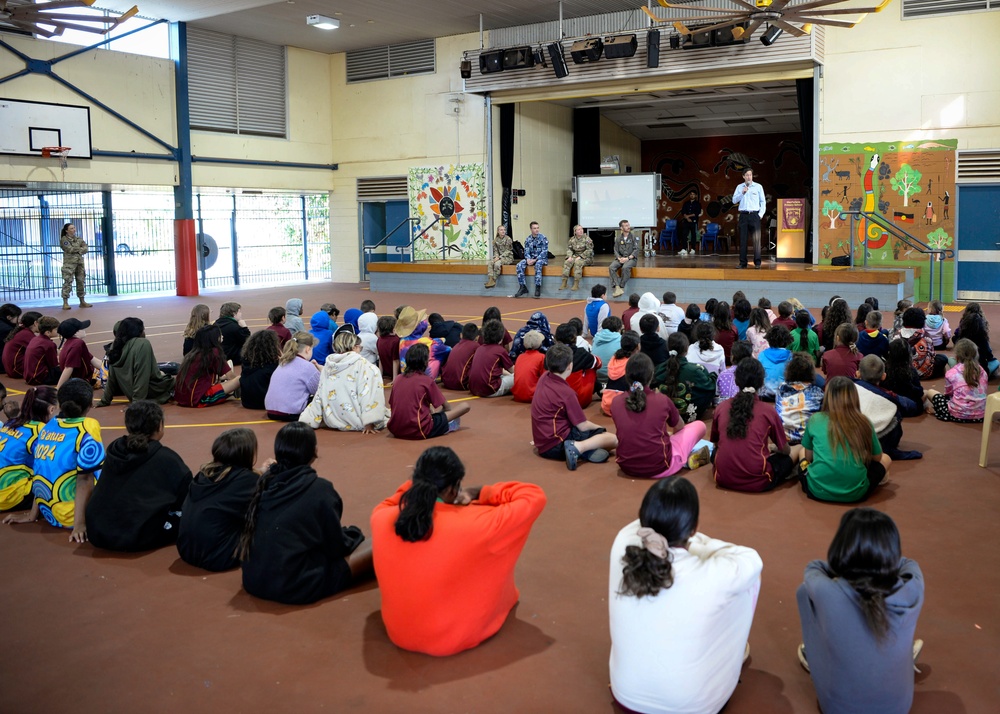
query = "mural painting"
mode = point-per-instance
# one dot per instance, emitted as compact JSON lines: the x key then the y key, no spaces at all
{"x":713,"y":166}
{"x":909,"y":183}
{"x":454,"y":194}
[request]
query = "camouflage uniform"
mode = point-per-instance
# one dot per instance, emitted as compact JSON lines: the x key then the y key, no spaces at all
{"x":503,"y":254}
{"x":579,"y":252}
{"x":74,"y":248}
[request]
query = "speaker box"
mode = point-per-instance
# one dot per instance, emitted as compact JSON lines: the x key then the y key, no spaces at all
{"x":518,"y":58}
{"x":653,"y":49}
{"x":698,"y":38}
{"x":490,"y":62}
{"x":675,"y":42}
{"x":466,"y":69}
{"x":723,"y":37}
{"x":557,"y":59}
{"x":587,"y":50}
{"x":620,"y":46}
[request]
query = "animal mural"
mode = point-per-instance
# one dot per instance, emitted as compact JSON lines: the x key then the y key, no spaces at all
{"x":908,"y":185}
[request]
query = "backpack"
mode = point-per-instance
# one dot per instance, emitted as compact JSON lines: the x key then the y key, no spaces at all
{"x":518,"y":250}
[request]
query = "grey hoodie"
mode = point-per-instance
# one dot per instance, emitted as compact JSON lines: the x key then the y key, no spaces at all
{"x":293,"y":316}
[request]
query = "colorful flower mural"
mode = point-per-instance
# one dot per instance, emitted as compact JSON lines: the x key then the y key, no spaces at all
{"x":454,"y":196}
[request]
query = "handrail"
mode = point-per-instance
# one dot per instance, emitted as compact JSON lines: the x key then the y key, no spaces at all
{"x":935,"y":254}
{"x":368,"y":249}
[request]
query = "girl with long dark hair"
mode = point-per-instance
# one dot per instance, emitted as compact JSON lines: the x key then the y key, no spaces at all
{"x":653,"y":441}
{"x":17,"y":457}
{"x":206,"y":377}
{"x":691,"y":386}
{"x":757,"y":330}
{"x":261,"y":354}
{"x":859,"y":612}
{"x":17,"y":342}
{"x":217,"y":502}
{"x":132,"y":368}
{"x":973,"y":326}
{"x":846,"y":463}
{"x":445,"y":554}
{"x":725,"y":332}
{"x":836,"y":315}
{"x":680,"y":604}
{"x":901,"y":377}
{"x":200,"y":317}
{"x":742,"y":430}
{"x":803,"y":337}
{"x":964,"y":398}
{"x":293,"y":548}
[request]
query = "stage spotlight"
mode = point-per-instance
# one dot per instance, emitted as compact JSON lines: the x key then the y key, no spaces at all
{"x":558,"y":61}
{"x":466,"y":69}
{"x":620,"y":46}
{"x":491,"y":61}
{"x":772,"y":34}
{"x":518,"y":58}
{"x":675,"y":42}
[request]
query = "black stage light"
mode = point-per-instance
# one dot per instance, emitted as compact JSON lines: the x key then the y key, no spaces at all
{"x":653,"y":49}
{"x":466,"y":69}
{"x":558,"y":61}
{"x":724,"y":37}
{"x":772,"y":34}
{"x":620,"y":46}
{"x":587,"y":50}
{"x":675,"y":42}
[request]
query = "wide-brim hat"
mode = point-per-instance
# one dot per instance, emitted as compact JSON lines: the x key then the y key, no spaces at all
{"x":408,"y":320}
{"x":70,"y":326}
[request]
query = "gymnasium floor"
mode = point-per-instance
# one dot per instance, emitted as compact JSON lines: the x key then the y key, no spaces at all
{"x":89,"y":631}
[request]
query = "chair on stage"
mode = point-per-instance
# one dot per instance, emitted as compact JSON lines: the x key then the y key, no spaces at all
{"x":668,"y":236}
{"x":711,"y":234}
{"x":992,"y":409}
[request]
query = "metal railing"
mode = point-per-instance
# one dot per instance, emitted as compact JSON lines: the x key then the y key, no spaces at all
{"x":369,"y":249}
{"x":935,"y":255}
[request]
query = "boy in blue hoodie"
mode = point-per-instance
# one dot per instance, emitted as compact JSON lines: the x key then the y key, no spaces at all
{"x":597,"y":308}
{"x":937,"y":326}
{"x":775,"y":359}
{"x":321,"y":327}
{"x":607,"y":342}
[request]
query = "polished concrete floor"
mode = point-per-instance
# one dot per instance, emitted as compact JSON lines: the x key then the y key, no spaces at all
{"x":89,"y":631}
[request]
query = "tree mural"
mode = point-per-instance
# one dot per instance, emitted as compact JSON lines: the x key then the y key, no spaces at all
{"x":832,"y":210}
{"x":939,"y":239}
{"x":906,"y":182}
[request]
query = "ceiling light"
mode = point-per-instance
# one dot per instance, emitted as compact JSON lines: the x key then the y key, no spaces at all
{"x":322,"y":22}
{"x":772,"y":34}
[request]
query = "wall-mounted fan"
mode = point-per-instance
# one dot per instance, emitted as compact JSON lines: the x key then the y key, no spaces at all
{"x":48,"y":19}
{"x":796,"y":20}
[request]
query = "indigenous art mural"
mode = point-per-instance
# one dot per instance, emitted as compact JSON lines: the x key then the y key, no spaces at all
{"x":713,"y":166}
{"x":456,"y":195}
{"x":909,"y":183}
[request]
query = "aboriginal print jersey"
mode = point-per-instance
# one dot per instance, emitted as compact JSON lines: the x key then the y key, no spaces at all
{"x":64,"y":448}
{"x":16,"y":463}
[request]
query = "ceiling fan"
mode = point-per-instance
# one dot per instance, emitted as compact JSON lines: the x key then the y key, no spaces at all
{"x":47,"y":20}
{"x":796,"y":20}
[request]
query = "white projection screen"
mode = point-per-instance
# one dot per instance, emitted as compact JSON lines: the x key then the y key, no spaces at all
{"x":605,"y":200}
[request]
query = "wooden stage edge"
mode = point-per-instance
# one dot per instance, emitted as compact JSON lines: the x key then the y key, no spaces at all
{"x":676,"y":268}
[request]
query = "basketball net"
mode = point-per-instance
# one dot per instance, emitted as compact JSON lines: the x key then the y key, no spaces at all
{"x":61,"y":153}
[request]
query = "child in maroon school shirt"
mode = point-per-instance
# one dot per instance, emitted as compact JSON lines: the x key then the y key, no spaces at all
{"x":75,"y":359}
{"x":844,"y":358}
{"x":41,"y":358}
{"x":455,"y":373}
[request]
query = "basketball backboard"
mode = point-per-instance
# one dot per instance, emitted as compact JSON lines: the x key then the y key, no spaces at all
{"x":30,"y":126}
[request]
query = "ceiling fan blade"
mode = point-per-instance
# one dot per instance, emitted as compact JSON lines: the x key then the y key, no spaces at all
{"x":699,"y":18}
{"x":699,"y":8}
{"x":790,"y":28}
{"x":829,"y":23}
{"x":62,"y":4}
{"x":823,"y":3}
{"x":842,"y":11}
{"x":748,"y":5}
{"x":739,"y":33}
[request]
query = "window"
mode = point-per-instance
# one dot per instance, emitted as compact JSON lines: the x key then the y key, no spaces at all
{"x":392,"y":61}
{"x":153,"y":42}
{"x":236,"y":85}
{"x":929,"y":8}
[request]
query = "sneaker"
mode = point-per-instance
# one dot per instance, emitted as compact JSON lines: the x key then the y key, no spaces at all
{"x":618,"y":291}
{"x":917,"y":646}
{"x":898,"y":455}
{"x":538,"y":291}
{"x":572,"y":454}
{"x":454,"y":424}
{"x":596,"y":456}
{"x":698,"y":458}
{"x":521,"y":291}
{"x":802,"y":657}
{"x":682,"y":253}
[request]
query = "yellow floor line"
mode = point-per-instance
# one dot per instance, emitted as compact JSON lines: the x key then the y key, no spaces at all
{"x":196,"y":426}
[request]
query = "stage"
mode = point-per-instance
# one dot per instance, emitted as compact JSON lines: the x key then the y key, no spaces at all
{"x":692,"y":279}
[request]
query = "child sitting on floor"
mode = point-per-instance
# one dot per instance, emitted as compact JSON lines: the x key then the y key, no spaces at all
{"x":455,"y":374}
{"x":583,"y":379}
{"x":200,"y":317}
{"x":692,"y":316}
{"x":691,"y":386}
{"x":143,"y":486}
{"x":964,"y":398}
{"x":261,"y":355}
{"x":633,"y":308}
{"x":559,"y":428}
{"x":843,"y":359}
{"x":873,"y":340}
{"x":350,"y":396}
{"x":928,"y":364}
{"x":803,"y":338}
{"x":799,"y":397}
{"x":742,"y":430}
{"x":937,"y":326}
{"x":17,"y":342}
{"x":489,"y":374}
{"x":388,"y":347}
{"x":757,"y":330}
{"x":725,"y":385}
{"x":617,"y":382}
{"x":412,"y":329}
{"x":367,"y":327}
{"x":417,"y":406}
{"x":68,"y":456}
{"x":651,"y":344}
{"x":276,"y":316}
{"x":295,"y":380}
{"x":597,"y":309}
{"x":17,"y":457}
{"x":217,"y":501}
{"x":883,"y":408}
{"x":774,"y":359}
{"x":606,"y":343}
{"x":529,"y":367}
{"x":493,"y":313}
{"x":205,"y":377}
{"x":293,"y":548}
{"x":644,"y":418}
{"x":75,"y":359}
{"x":41,"y":358}
{"x":704,"y":350}
{"x":234,"y":330}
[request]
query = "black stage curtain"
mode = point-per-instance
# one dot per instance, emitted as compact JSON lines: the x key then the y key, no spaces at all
{"x":587,"y":162}
{"x":506,"y":163}
{"x":804,"y":89}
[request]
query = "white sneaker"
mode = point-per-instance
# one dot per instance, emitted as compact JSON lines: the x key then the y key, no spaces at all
{"x":682,"y":253}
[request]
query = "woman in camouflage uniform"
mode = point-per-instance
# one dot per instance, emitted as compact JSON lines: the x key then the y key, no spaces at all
{"x":579,"y":252}
{"x":74,"y":248}
{"x":503,"y":254}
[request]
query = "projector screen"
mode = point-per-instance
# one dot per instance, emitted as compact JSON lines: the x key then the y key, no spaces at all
{"x":605,"y":200}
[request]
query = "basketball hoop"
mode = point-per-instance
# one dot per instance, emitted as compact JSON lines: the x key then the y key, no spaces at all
{"x":60,"y":152}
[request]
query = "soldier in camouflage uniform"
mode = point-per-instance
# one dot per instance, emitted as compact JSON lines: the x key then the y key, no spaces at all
{"x":503,"y":254}
{"x":74,"y":248}
{"x":579,"y":252}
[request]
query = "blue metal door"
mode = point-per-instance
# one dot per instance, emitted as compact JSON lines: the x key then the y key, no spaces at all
{"x":395,"y":213}
{"x":978,"y":229}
